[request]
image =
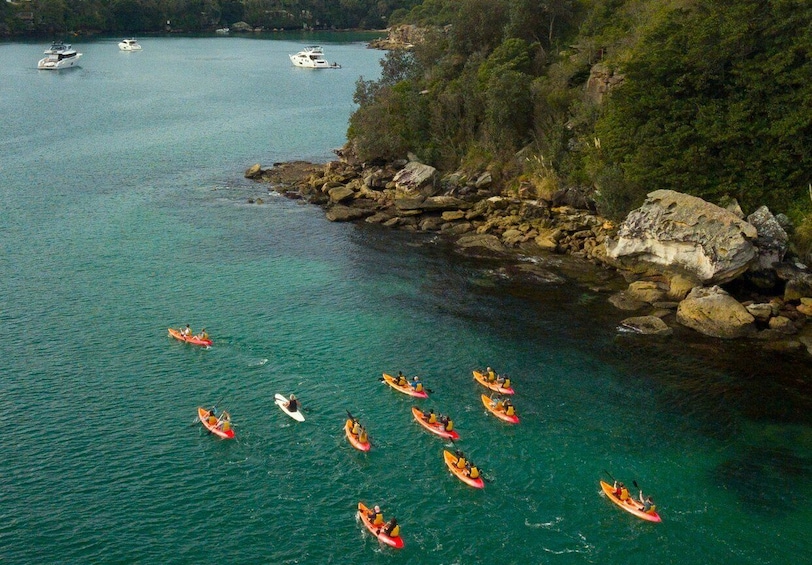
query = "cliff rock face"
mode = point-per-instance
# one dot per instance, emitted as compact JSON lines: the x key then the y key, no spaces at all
{"x":675,"y":230}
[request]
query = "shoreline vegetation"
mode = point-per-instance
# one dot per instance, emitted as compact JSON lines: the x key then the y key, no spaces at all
{"x":480,"y":221}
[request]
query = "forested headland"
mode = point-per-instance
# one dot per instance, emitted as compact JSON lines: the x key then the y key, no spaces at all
{"x":613,"y":98}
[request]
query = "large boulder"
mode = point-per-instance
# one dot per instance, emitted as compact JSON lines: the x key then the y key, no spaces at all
{"x":417,"y":178}
{"x":647,"y":325}
{"x":772,"y":241}
{"x":672,"y":230}
{"x":712,"y":311}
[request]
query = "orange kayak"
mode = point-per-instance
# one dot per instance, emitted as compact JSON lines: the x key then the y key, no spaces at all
{"x":377,"y":531}
{"x":629,"y":505}
{"x":354,"y":441}
{"x":483,"y":380}
{"x":408,"y":390}
{"x":499,"y":413}
{"x":461,"y":474}
{"x":437,"y":428}
{"x":189,"y":338}
{"x":215,"y":427}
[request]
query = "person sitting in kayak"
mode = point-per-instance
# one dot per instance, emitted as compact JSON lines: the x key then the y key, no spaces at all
{"x":430,"y":416}
{"x":401,"y":379}
{"x":202,"y":335}
{"x":376,"y":516}
{"x":292,"y":404}
{"x":503,"y":381}
{"x":356,"y":427}
{"x":224,"y":421}
{"x":448,"y":424}
{"x":508,"y":406}
{"x":460,"y":459}
{"x":392,"y":528}
{"x":647,"y":504}
{"x":473,"y":471}
{"x":490,"y":374}
{"x":362,"y":435}
{"x":618,"y":489}
{"x":416,"y":384}
{"x":211,"y":417}
{"x":497,"y":404}
{"x":187,"y":331}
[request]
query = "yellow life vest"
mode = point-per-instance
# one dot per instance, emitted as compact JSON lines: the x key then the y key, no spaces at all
{"x":419,"y":387}
{"x":510,"y":411}
{"x":432,"y":418}
{"x":491,"y":376}
{"x":226,"y":426}
{"x":461,"y":463}
{"x":402,"y":381}
{"x":395,"y":531}
{"x":499,"y":405}
{"x":356,"y":428}
{"x":378,"y":519}
{"x":449,"y":426}
{"x":624,"y":494}
{"x":506,"y":384}
{"x":362,"y":437}
{"x":653,"y":509}
{"x":474,"y":474}
{"x":212,"y":420}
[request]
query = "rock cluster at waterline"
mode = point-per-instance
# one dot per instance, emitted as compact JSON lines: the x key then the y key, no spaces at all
{"x":675,"y":250}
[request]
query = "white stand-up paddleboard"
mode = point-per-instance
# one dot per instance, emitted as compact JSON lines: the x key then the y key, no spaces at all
{"x":281,"y":401}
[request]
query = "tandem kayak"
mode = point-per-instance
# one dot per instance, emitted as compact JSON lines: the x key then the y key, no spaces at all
{"x":215,"y":427}
{"x":436,"y":428}
{"x":377,"y":531}
{"x":189,"y":338}
{"x":408,"y":390}
{"x":282,"y":402}
{"x":483,"y":380}
{"x":354,"y":441}
{"x":461,"y":474}
{"x":629,"y":505}
{"x":499,"y":413}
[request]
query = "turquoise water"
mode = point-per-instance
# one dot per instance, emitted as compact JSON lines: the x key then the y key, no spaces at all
{"x":124,"y":211}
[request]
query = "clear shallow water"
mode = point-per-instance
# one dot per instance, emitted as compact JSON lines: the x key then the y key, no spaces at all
{"x":124,"y":212}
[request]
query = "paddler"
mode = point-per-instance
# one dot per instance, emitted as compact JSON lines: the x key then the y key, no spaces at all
{"x":503,"y":381}
{"x":356,"y":427}
{"x":211,"y":417}
{"x":376,"y":516}
{"x":202,"y":335}
{"x":473,"y":471}
{"x":416,"y":384}
{"x":430,"y":416}
{"x":460,"y":459}
{"x":648,"y":504}
{"x":187,"y":331}
{"x":362,"y":435}
{"x":490,"y":374}
{"x":292,"y":404}
{"x":401,"y":379}
{"x":508,"y":406}
{"x":448,"y":423}
{"x":392,"y":528}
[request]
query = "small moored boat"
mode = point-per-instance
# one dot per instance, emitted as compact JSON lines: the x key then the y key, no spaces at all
{"x":129,"y":45}
{"x":312,"y":57}
{"x":59,"y":56}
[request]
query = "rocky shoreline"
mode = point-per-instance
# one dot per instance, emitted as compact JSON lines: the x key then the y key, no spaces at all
{"x":676,"y":252}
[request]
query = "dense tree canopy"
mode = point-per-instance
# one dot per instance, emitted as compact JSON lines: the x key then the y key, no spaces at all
{"x":711,"y":97}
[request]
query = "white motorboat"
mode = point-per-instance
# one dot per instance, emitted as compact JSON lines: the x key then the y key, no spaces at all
{"x":129,"y":45}
{"x":222,"y":30}
{"x":59,"y":56}
{"x":312,"y":57}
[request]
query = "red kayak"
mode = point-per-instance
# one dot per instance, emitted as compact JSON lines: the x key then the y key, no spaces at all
{"x":377,"y":531}
{"x":406,"y":389}
{"x":483,"y":380}
{"x":499,"y":412}
{"x":436,"y":428}
{"x":189,"y":338}
{"x":354,"y":440}
{"x":215,"y":425}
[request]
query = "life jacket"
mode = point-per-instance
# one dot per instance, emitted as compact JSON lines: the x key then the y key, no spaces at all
{"x":653,"y":509}
{"x":402,"y":381}
{"x":449,"y":426}
{"x":356,"y":428}
{"x":432,"y":418}
{"x":624,"y":494}
{"x":506,"y":384}
{"x":491,"y":376}
{"x":510,"y":411}
{"x":226,"y":426}
{"x":419,"y":387}
{"x":499,"y":405}
{"x":461,"y":463}
{"x":362,"y":437}
{"x":395,"y":531}
{"x":378,"y":520}
{"x":474,"y":473}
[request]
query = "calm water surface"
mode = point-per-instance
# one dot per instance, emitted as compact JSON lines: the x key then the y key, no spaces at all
{"x":124,"y":211}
